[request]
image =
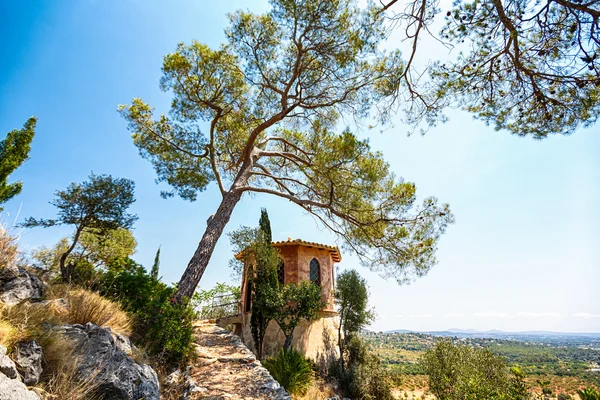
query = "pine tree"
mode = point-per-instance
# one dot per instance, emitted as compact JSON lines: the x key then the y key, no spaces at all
{"x":156,"y":265}
{"x":14,"y":151}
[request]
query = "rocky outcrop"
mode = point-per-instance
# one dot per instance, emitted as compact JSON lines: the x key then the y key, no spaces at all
{"x":17,"y":285}
{"x":13,"y":389}
{"x":105,"y":358}
{"x":7,"y":366}
{"x":28,"y":358}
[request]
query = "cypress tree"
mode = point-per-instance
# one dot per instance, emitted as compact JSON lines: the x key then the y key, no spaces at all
{"x":155,"y":266}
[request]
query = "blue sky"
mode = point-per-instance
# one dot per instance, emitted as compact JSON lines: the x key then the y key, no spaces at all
{"x":524,"y":252}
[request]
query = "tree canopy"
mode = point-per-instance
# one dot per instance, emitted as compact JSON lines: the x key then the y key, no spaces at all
{"x":528,"y":67}
{"x":95,"y":206}
{"x":260,"y":114}
{"x":14,"y":151}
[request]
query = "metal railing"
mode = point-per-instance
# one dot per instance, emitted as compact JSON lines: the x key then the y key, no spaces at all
{"x":225,"y":305}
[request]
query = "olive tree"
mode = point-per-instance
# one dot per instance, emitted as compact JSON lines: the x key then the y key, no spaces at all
{"x":260,"y":114}
{"x":95,"y":206}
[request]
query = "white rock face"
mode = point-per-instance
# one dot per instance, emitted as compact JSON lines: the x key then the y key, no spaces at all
{"x":7,"y":366}
{"x":28,"y":358}
{"x":13,"y":389}
{"x":103,"y":356}
{"x":17,"y":285}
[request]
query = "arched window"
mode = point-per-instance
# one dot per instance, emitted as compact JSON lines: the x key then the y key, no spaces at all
{"x":315,"y":271}
{"x":281,"y":273}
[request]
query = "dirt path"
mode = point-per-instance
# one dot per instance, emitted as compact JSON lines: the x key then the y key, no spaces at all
{"x":226,"y":369}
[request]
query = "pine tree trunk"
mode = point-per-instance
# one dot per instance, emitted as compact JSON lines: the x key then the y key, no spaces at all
{"x":197,"y":265}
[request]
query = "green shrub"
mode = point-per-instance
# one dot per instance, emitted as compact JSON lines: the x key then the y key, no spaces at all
{"x":292,"y":370}
{"x":364,"y":377}
{"x":162,"y":326}
{"x":589,"y":394}
{"x":458,"y":372}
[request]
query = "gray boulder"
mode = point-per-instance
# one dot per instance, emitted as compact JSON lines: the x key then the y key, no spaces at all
{"x":13,"y":389}
{"x":7,"y":366}
{"x":17,"y":285}
{"x":28,"y":357}
{"x":105,"y":358}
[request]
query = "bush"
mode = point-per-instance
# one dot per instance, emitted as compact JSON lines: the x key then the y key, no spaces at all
{"x":364,"y":377}
{"x":85,"y":306}
{"x":162,"y":326}
{"x":462,"y":372}
{"x":292,"y":370}
{"x":589,"y":394}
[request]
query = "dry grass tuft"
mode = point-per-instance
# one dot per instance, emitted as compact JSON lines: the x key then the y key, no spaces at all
{"x":27,"y":320}
{"x":8,"y":248}
{"x":85,"y":306}
{"x":60,"y":379}
{"x":318,"y":389}
{"x":7,"y":333}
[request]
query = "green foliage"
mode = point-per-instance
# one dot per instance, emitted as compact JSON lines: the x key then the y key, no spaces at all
{"x":351,"y":297}
{"x":294,"y":303}
{"x":518,"y":388}
{"x":529,"y":68}
{"x":262,"y":278}
{"x":271,"y":98}
{"x":589,"y":394}
{"x":365,"y":377}
{"x":465,"y":373}
{"x":14,"y":151}
{"x":220,"y":301}
{"x":95,"y":206}
{"x":292,"y":370}
{"x":162,"y":326}
{"x":102,"y":248}
{"x":156,"y":265}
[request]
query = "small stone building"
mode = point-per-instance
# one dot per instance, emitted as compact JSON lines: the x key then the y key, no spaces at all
{"x":302,"y":260}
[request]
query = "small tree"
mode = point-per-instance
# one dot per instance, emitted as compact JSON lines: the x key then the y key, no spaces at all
{"x":257,"y":253}
{"x":462,"y":372}
{"x":263,"y":281}
{"x":14,"y":151}
{"x":156,"y":265}
{"x":96,"y":206}
{"x":294,"y":303}
{"x":351,"y":297}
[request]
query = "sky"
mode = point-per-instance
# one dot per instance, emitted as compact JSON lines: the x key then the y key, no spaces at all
{"x":524,"y":253}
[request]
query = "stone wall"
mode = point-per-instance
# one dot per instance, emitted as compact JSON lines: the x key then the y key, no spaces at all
{"x":316,"y":340}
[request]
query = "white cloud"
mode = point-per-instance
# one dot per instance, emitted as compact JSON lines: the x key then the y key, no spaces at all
{"x":526,"y":314}
{"x":586,"y":315}
{"x":420,"y":316}
{"x":454,"y":315}
{"x":491,"y":314}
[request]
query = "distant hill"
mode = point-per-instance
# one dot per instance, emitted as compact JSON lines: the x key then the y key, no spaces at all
{"x":497,"y":333}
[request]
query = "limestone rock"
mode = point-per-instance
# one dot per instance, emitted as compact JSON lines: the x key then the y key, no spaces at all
{"x":17,"y":285}
{"x":28,"y":358}
{"x":7,"y":366}
{"x":103,"y":356}
{"x":13,"y":389}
